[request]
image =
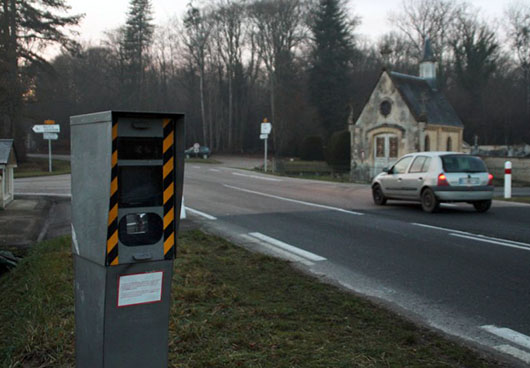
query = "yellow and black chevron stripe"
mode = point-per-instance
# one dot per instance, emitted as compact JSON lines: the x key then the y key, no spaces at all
{"x":112,"y":231}
{"x":169,"y":188}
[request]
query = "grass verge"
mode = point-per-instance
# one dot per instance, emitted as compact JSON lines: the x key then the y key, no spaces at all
{"x":39,"y":167}
{"x":231,"y":308}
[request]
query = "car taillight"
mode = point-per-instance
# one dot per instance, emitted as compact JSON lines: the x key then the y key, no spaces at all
{"x":490,"y":181}
{"x":442,"y":180}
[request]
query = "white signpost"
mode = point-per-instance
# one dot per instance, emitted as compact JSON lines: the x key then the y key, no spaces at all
{"x":49,"y":131}
{"x":266,"y":128}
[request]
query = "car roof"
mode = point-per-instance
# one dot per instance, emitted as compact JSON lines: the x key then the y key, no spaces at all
{"x":434,"y":153}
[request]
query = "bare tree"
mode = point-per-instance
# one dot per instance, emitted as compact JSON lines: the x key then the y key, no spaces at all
{"x":476,"y":58}
{"x":278,"y":27}
{"x":229,"y":17}
{"x":199,"y":25}
{"x":518,"y":30}
{"x":433,"y":19}
{"x":167,"y":57}
{"x":397,"y":51}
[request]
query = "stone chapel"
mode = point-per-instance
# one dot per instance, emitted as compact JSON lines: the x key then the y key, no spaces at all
{"x":404,"y":114}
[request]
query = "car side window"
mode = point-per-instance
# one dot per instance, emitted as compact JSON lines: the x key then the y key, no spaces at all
{"x":426,"y":164}
{"x":401,"y":166}
{"x":417,"y":165}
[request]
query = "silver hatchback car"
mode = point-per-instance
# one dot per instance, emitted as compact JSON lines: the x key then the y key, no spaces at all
{"x":434,"y":177}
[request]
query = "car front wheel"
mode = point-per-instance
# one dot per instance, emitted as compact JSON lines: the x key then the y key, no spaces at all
{"x":482,"y":206}
{"x":377,"y":194}
{"x":429,"y":202}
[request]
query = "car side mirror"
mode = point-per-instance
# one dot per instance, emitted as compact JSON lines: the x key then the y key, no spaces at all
{"x":387,"y":170}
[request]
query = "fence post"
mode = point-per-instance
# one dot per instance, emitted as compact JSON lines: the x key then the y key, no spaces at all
{"x":508,"y":179}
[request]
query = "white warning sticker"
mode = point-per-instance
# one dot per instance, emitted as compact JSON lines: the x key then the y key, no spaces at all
{"x":141,"y":288}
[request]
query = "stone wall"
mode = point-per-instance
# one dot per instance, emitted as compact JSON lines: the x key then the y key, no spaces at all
{"x":520,"y":168}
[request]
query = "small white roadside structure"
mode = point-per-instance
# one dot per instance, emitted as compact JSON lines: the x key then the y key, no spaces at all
{"x":8,"y":161}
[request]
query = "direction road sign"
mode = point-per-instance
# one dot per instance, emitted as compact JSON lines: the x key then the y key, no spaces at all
{"x":266,"y":128}
{"x":52,"y":136}
{"x":263,"y":136}
{"x":49,"y":128}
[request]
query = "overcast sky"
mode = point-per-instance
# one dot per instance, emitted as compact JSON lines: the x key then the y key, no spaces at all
{"x":102,"y":15}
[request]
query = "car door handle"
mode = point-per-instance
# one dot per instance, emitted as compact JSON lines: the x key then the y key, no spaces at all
{"x":420,"y":178}
{"x":400,"y":179}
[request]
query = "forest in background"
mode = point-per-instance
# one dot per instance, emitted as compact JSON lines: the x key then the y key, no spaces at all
{"x":227,"y":64}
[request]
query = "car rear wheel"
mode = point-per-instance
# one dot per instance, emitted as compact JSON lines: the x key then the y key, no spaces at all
{"x":482,"y":206}
{"x":377,"y":194}
{"x":429,"y":202}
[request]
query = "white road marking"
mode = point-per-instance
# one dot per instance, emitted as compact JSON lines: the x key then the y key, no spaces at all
{"x":287,"y":247}
{"x":486,"y":240}
{"x":196,"y":167}
{"x":256,"y":177}
{"x":517,"y":353}
{"x":440,"y":228}
{"x":214,"y":170}
{"x":283,"y":254}
{"x":294,"y":200}
{"x":205,"y":215}
{"x":509,"y":334}
{"x":479,"y":237}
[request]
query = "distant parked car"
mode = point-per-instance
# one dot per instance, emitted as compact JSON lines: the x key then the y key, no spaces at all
{"x":198,"y":151}
{"x":435,"y":177}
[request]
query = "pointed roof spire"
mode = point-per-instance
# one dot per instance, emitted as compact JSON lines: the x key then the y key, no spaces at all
{"x":428,"y":55}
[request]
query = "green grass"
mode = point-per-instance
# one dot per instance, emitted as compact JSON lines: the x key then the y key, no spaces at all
{"x":39,"y":167}
{"x":231,"y":308}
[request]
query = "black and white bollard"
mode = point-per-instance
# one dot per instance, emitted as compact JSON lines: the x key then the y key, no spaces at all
{"x":508,"y":179}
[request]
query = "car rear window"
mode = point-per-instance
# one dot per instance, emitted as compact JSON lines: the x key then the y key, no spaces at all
{"x":463,"y":163}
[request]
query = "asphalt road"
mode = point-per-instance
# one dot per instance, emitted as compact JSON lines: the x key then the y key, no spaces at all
{"x":458,"y":271}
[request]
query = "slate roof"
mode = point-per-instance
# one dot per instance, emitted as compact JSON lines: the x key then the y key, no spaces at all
{"x":6,"y":145}
{"x":426,"y":103}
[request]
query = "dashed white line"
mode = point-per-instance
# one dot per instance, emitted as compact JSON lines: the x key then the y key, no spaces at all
{"x":509,"y":335}
{"x":487,"y":240}
{"x":199,"y":213}
{"x":289,"y":248}
{"x":214,"y":170}
{"x":256,"y":177}
{"x":294,"y":200}
{"x":277,"y":251}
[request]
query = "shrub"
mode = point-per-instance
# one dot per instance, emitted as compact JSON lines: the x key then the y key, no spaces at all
{"x":338,"y":151}
{"x":312,"y":149}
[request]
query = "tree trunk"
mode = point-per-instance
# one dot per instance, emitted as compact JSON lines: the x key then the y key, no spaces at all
{"x":230,"y":110}
{"x":203,"y":110}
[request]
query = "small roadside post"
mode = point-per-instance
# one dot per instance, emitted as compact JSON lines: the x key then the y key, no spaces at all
{"x":266,"y":128}
{"x":508,"y":179}
{"x":49,"y":131}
